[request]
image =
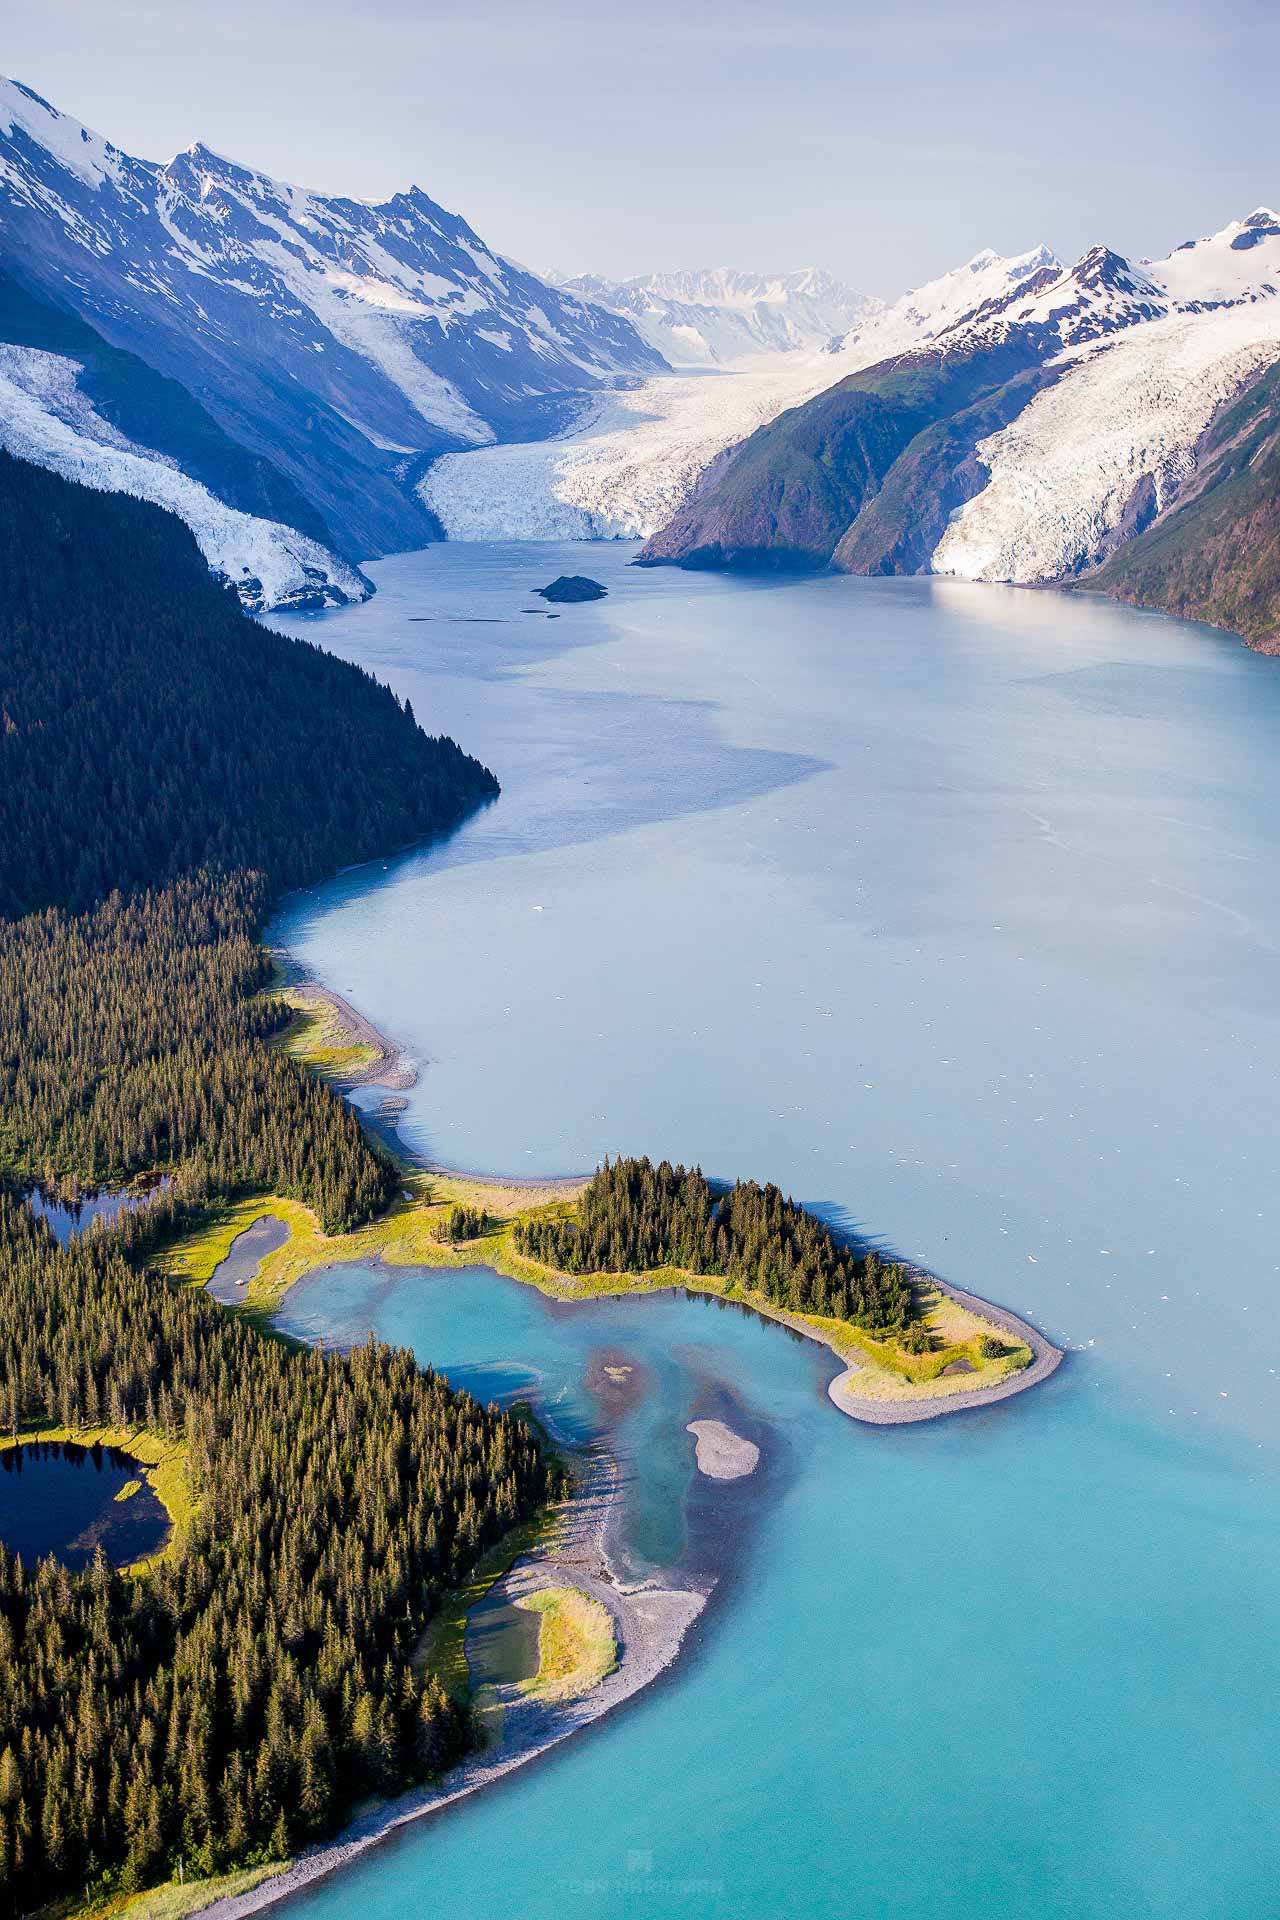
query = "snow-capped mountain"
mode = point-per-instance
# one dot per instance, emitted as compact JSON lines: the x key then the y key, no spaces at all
{"x":342,"y":342}
{"x":929,"y":309}
{"x":1242,"y":262}
{"x":1153,"y":353}
{"x":713,"y":316}
{"x":1028,"y":439}
{"x":1103,"y":451}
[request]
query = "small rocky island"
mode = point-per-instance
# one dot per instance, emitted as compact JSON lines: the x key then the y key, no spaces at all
{"x":572,"y":586}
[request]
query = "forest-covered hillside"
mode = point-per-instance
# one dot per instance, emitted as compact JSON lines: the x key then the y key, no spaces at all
{"x":234,"y":1701}
{"x":166,"y":769}
{"x":149,"y":727}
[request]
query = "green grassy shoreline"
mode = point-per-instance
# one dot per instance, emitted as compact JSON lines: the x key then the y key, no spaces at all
{"x":409,"y":1235}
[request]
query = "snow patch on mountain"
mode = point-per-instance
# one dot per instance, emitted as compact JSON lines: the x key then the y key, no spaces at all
{"x":1126,"y":413}
{"x":45,"y":418}
{"x":1241,"y":262}
{"x":374,"y":318}
{"x":75,"y":147}
{"x":625,"y":470}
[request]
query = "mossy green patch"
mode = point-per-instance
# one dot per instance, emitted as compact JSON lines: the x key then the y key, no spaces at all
{"x":173,"y":1901}
{"x":576,"y":1643}
{"x":318,"y":1036}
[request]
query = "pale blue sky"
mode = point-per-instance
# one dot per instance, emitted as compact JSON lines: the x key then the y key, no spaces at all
{"x":883,"y":143}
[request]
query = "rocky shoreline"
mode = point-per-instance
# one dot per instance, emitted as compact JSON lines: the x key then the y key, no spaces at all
{"x":650,"y":1623}
{"x":390,"y":1067}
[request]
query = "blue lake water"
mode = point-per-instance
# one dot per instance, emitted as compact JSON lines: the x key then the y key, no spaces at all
{"x":69,"y":1218}
{"x":954,"y":910}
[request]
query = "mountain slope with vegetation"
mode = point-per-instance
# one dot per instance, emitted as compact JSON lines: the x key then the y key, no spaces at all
{"x":150,"y":728}
{"x":788,"y":496}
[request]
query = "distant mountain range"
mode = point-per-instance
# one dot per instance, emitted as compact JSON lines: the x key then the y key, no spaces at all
{"x":311,"y":380}
{"x":1109,"y":423}
{"x":328,"y":347}
{"x":714,"y":316}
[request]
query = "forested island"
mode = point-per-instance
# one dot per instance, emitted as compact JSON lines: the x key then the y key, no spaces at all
{"x":167,"y":768}
{"x":635,"y":1217}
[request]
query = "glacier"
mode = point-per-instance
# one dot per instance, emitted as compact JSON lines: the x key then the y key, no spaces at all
{"x":45,"y":418}
{"x":625,"y":468}
{"x":635,"y":456}
{"x":1124,"y":413}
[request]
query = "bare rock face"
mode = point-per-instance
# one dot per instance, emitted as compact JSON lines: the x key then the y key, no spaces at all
{"x":572,"y":586}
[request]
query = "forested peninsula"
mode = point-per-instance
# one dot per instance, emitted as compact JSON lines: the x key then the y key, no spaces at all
{"x":166,"y":770}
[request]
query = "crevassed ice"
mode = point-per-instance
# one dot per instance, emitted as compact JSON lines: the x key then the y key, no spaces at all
{"x":1063,"y":472}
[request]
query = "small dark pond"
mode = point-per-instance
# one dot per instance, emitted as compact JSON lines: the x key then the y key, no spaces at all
{"x":502,"y":1641}
{"x":64,"y":1499}
{"x":67,"y":1218}
{"x":230,"y":1278}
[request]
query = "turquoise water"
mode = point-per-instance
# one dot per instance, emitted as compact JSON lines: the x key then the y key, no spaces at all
{"x":953,"y":909}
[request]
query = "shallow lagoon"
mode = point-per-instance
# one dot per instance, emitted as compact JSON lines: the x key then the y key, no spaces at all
{"x":954,"y":910}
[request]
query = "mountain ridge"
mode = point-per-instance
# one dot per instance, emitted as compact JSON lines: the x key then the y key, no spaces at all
{"x":345,"y":343}
{"x":1094,"y":398}
{"x":714,"y":316}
